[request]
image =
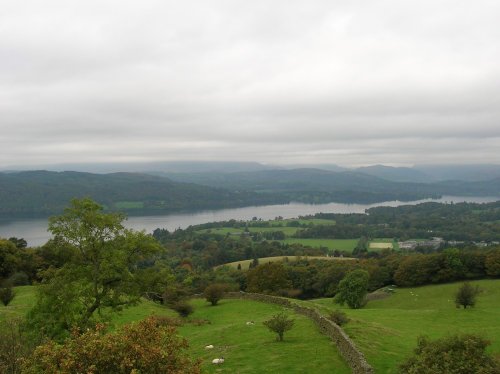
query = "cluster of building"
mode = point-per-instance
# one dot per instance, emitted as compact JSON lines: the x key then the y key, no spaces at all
{"x":436,"y":243}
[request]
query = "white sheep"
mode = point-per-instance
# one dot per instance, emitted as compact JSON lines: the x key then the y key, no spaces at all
{"x":250,"y":323}
{"x":209,"y":346}
{"x":218,"y":361}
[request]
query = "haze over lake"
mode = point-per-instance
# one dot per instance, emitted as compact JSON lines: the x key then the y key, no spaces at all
{"x":34,"y":231}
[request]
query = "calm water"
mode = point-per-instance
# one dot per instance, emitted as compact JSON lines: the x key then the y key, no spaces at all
{"x":34,"y":231}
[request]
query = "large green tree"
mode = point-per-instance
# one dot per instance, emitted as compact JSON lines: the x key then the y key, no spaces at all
{"x":99,"y":277}
{"x":353,"y":288}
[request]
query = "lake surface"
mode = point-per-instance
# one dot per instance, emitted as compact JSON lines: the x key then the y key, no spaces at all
{"x":34,"y":231}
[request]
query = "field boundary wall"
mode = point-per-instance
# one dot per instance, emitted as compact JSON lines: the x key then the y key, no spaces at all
{"x":351,"y":354}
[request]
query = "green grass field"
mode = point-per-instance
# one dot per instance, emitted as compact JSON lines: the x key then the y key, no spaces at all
{"x":263,"y":260}
{"x":247,"y":349}
{"x":129,"y":205}
{"x":254,"y":349}
{"x":386,"y":330}
{"x":346,"y":245}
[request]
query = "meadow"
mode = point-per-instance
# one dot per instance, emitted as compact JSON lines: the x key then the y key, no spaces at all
{"x":386,"y":330}
{"x":246,"y":349}
{"x":245,"y":264}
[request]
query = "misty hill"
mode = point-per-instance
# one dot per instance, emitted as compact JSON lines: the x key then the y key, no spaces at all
{"x":478,"y":172}
{"x":152,"y":167}
{"x":397,"y":174}
{"x":42,"y":193}
{"x":315,"y":185}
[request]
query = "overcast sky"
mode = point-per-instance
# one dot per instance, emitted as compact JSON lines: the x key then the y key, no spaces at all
{"x":348,"y":82}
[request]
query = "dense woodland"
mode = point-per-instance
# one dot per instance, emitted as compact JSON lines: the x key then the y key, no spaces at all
{"x":43,"y":193}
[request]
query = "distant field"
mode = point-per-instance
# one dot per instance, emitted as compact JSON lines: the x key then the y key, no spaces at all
{"x":387,"y":330}
{"x":275,"y":226}
{"x":264,"y":260}
{"x":341,"y":244}
{"x":379,"y":245}
{"x":129,"y":205}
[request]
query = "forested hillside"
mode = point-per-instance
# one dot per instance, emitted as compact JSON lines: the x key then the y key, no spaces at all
{"x":41,"y":193}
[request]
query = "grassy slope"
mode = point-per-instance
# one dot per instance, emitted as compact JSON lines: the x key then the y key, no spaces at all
{"x":254,"y":349}
{"x":246,"y":263}
{"x":387,"y":330}
{"x":247,"y":349}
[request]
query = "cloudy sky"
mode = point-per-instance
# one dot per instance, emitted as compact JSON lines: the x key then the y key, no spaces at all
{"x":351,"y":82}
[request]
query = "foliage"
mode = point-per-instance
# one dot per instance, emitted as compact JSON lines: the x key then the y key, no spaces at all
{"x":492,"y":264}
{"x":145,"y":347}
{"x":14,"y":346}
{"x":98,"y":277}
{"x":279,"y":323}
{"x":267,"y":278}
{"x":339,"y":317}
{"x":466,"y":295}
{"x":183,"y":308}
{"x":458,"y":354}
{"x":7,"y":294}
{"x":352,"y":289}
{"x":214,"y":292}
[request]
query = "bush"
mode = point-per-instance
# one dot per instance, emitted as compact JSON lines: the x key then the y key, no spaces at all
{"x":19,"y":279}
{"x":339,"y":317}
{"x":146,"y":347}
{"x":279,"y":323}
{"x":214,"y":292}
{"x":173,"y":295}
{"x":183,"y":308}
{"x":15,"y":346}
{"x":459,"y":354}
{"x":6,"y":295}
{"x":466,"y":295}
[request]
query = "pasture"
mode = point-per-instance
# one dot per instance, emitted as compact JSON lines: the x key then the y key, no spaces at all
{"x":246,"y":349}
{"x":245,"y":264}
{"x":386,"y":330}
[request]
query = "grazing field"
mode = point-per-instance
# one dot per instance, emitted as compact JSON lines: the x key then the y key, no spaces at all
{"x":263,"y":260}
{"x":246,"y":349}
{"x":346,"y":245}
{"x":254,"y":349}
{"x":386,"y":330}
{"x":380,"y":245}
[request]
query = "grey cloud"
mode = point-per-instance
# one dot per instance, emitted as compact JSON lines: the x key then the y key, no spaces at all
{"x":348,"y":82}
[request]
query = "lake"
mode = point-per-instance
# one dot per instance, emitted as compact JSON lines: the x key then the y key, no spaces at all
{"x":34,"y":231}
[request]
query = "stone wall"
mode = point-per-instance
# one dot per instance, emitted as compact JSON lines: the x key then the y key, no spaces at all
{"x":354,"y":358}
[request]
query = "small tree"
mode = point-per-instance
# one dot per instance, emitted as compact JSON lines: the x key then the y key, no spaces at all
{"x":459,"y":354}
{"x":7,"y":295}
{"x":352,"y":289}
{"x":183,"y":308}
{"x":339,"y":317}
{"x":466,"y":295}
{"x":279,"y":323}
{"x":214,"y":292}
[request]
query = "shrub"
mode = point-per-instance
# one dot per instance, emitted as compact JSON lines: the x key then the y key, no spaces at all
{"x":7,"y":295}
{"x":19,"y":279}
{"x":459,"y":354}
{"x":466,"y":295}
{"x":214,"y":292}
{"x":183,"y":308}
{"x":279,"y":323}
{"x":339,"y":317}
{"x":146,"y":347}
{"x":15,"y":346}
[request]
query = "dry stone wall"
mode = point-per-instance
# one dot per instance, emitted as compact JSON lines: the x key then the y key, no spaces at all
{"x":354,"y":358}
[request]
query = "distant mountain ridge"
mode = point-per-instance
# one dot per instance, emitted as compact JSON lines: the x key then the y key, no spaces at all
{"x":42,"y":193}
